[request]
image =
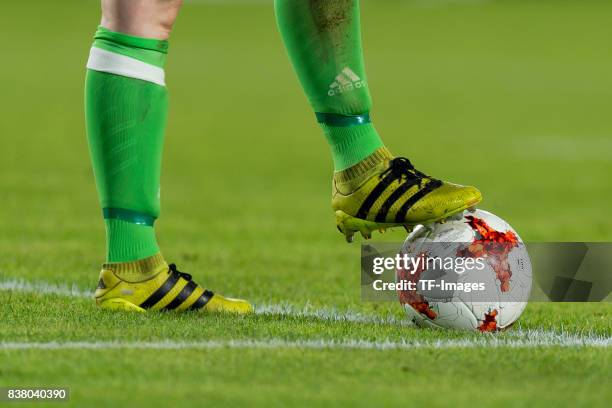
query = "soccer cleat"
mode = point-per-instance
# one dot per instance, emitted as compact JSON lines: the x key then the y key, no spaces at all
{"x":384,"y":191}
{"x":131,"y":288}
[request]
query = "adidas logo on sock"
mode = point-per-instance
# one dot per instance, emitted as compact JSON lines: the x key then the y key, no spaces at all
{"x":346,"y":81}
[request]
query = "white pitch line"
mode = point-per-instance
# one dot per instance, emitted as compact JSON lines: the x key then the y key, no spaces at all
{"x":315,"y":344}
{"x":333,"y":315}
{"x":282,"y":309}
{"x":20,"y":285}
{"x":514,"y":338}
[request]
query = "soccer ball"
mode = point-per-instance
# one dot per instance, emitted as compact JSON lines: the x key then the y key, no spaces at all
{"x":488,"y":296}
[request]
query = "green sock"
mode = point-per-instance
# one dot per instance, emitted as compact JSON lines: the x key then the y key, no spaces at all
{"x":323,"y":39}
{"x":126,"y":107}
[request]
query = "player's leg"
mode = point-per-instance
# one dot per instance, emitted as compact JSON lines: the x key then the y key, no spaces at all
{"x":126,"y":110}
{"x":372,"y":189}
{"x":142,"y":18}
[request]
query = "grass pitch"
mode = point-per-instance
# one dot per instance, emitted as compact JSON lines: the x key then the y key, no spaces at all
{"x":511,"y":96}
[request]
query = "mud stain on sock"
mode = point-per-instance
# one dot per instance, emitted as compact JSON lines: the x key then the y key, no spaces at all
{"x":333,"y":19}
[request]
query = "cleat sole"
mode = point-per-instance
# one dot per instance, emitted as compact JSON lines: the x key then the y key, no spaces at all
{"x":117,"y":304}
{"x":349,"y":225}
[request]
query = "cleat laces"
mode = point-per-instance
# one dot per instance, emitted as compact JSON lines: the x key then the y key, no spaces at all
{"x":401,"y":169}
{"x":173,"y":270}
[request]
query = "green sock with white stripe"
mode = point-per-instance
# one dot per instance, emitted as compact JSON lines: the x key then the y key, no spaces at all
{"x":126,"y":107}
{"x":323,"y":40}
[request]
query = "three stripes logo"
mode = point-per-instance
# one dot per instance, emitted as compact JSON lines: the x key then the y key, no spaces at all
{"x":400,"y":171}
{"x":174,"y":276}
{"x":346,"y":81}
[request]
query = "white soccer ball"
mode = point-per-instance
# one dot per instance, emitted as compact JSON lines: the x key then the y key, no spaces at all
{"x":488,"y":297}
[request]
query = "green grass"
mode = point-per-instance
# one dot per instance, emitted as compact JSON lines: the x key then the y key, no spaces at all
{"x":511,"y":96}
{"x":294,"y":376}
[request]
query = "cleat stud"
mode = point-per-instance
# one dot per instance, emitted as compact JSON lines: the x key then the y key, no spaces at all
{"x":442,"y":221}
{"x":408,"y":228}
{"x":472,"y":209}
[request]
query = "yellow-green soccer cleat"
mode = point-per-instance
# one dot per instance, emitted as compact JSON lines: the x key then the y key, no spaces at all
{"x":151,"y":284}
{"x":384,"y":191}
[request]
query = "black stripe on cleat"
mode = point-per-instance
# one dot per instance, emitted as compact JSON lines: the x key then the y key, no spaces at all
{"x":182,"y":296}
{"x":431,"y":186}
{"x":161,"y":291}
{"x":374,"y":194}
{"x":396,"y":195}
{"x":202,"y":300}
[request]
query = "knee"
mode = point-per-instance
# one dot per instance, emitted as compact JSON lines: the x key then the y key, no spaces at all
{"x":143,"y":18}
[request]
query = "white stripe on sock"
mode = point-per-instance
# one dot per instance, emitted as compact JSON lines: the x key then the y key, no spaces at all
{"x":106,"y":61}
